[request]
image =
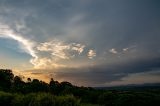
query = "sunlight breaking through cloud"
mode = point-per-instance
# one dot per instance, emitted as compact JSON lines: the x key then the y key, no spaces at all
{"x":85,"y":41}
{"x":59,"y":49}
{"x":56,"y":49}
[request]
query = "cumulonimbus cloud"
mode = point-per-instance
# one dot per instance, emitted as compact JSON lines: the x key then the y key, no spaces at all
{"x":56,"y":49}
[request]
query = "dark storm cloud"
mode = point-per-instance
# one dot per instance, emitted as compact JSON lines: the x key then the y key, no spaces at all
{"x":100,"y":75}
{"x":99,"y":24}
{"x":114,"y":23}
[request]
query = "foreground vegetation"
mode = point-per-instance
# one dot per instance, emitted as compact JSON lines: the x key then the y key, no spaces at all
{"x":36,"y":99}
{"x":15,"y":92}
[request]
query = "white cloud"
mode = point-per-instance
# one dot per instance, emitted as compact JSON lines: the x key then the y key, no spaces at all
{"x":91,"y":54}
{"x":59,"y":49}
{"x":27,"y":45}
{"x":78,"y":47}
{"x":54,"y":50}
{"x":113,"y":50}
{"x":130,"y":48}
{"x":125,"y":49}
{"x":45,"y":63}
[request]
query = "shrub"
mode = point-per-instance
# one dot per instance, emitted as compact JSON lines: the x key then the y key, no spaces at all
{"x":5,"y":99}
{"x":67,"y":100}
{"x":23,"y":100}
{"x":43,"y":99}
{"x":37,"y":99}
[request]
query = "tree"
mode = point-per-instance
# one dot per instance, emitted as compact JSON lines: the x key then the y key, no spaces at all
{"x":29,"y":80}
{"x":18,"y":85}
{"x":6,"y":79}
{"x":39,"y":86}
{"x":54,"y":86}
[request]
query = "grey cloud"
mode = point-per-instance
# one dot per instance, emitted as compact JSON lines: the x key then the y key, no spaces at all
{"x":101,"y":75}
{"x":100,"y":25}
{"x":119,"y":22}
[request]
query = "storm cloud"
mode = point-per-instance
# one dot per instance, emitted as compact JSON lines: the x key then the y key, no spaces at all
{"x":87,"y":42}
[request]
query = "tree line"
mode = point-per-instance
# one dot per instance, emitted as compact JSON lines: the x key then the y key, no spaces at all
{"x":11,"y":83}
{"x":33,"y":92}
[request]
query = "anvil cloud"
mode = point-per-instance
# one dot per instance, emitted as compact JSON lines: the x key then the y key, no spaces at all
{"x":86,"y":42}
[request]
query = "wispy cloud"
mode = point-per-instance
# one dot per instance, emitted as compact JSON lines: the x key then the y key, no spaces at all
{"x":79,"y":25}
{"x":91,"y":54}
{"x":125,"y":49}
{"x":46,"y":63}
{"x":27,"y":45}
{"x":54,"y":50}
{"x":113,"y":50}
{"x":129,"y":48}
{"x":78,"y":47}
{"x":58,"y":49}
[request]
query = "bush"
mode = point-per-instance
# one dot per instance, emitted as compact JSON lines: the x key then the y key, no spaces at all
{"x":46,"y":99}
{"x":43,"y":99}
{"x":108,"y":98}
{"x":5,"y":99}
{"x":67,"y":101}
{"x":23,"y":100}
{"x":37,"y":99}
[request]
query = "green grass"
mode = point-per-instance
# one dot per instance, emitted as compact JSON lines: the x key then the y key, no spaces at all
{"x":37,"y":99}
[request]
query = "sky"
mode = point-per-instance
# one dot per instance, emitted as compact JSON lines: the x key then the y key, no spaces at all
{"x":85,"y":42}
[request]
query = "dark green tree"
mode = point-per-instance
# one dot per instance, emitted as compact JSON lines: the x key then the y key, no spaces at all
{"x":54,"y":87}
{"x":6,"y":79}
{"x":39,"y":86}
{"x":18,"y":85}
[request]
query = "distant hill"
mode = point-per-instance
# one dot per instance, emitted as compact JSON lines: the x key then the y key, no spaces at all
{"x":133,"y":87}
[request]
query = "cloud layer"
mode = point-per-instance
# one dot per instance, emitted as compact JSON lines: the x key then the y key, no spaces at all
{"x":45,"y":55}
{"x":94,"y":43}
